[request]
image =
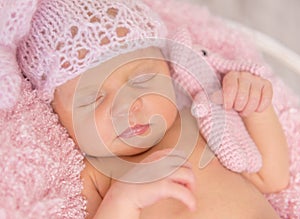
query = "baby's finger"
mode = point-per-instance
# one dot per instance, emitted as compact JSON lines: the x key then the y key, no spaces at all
{"x":230,"y":88}
{"x":266,"y":97}
{"x":244,"y":84}
{"x":254,"y":99}
{"x":179,"y":192}
{"x":179,"y":185}
{"x":184,"y":176}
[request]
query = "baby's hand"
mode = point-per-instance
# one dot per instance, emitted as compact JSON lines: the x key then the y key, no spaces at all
{"x":178,"y":185}
{"x":246,"y":93}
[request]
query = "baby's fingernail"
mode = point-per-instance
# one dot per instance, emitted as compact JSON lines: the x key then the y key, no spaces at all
{"x":217,"y":97}
{"x":243,"y":114}
{"x":226,"y":105}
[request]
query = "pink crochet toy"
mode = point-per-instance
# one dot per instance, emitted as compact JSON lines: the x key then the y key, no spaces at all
{"x":40,"y":164}
{"x":223,"y":130}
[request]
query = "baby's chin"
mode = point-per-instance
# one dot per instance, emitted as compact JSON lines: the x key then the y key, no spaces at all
{"x":129,"y":150}
{"x":135,"y":146}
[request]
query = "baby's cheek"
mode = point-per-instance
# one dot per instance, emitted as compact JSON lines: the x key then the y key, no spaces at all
{"x":165,"y":108}
{"x":106,"y":132}
{"x":65,"y":118}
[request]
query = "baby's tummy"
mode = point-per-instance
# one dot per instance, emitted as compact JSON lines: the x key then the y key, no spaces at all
{"x":220,"y":194}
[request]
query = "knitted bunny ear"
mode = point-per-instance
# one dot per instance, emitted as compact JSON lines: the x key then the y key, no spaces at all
{"x":223,"y":66}
{"x":15,"y":17}
{"x":200,"y":103}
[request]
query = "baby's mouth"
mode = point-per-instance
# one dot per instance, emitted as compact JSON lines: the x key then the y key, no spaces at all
{"x":134,"y":131}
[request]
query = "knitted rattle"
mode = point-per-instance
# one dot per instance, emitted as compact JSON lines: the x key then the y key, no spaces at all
{"x":224,"y":131}
{"x":15,"y":16}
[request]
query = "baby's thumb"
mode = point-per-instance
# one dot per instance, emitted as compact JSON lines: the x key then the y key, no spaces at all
{"x":182,"y":194}
{"x":217,"y":97}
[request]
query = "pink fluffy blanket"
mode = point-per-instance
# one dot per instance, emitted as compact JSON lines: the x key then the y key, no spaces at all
{"x":40,"y":165}
{"x":287,"y":202}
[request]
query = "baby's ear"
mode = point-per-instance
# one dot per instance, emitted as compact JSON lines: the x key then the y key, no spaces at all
{"x":15,"y":23}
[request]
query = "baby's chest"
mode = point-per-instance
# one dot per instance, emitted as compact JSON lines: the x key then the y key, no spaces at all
{"x":219,"y":192}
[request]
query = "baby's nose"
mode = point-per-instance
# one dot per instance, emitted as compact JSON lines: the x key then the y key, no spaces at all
{"x":136,"y":106}
{"x":126,"y":107}
{"x":126,"y":114}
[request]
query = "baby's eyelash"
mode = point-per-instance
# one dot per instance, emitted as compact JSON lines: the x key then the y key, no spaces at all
{"x":99,"y":99}
{"x":142,"y":78}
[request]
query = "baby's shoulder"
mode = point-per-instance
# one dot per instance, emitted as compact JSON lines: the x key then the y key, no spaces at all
{"x":93,"y":180}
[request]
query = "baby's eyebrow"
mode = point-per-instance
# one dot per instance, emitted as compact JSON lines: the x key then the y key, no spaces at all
{"x":88,"y":91}
{"x":88,"y":88}
{"x":86,"y":97}
{"x":144,"y":67}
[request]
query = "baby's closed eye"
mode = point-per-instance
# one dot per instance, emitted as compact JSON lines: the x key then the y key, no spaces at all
{"x":141,"y":80}
{"x":92,"y":99}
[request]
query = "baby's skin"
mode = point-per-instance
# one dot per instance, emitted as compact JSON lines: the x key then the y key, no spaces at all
{"x":184,"y":190}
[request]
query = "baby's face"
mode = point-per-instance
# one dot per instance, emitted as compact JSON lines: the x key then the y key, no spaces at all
{"x":121,"y":107}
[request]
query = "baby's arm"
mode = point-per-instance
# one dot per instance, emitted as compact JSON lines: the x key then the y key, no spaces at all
{"x":252,"y":97}
{"x":126,"y":200}
{"x":94,"y":186}
{"x":268,"y":135}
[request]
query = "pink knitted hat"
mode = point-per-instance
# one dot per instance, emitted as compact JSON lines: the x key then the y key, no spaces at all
{"x":15,"y":19}
{"x":68,"y":37}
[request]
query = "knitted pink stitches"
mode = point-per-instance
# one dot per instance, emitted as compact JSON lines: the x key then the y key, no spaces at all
{"x":223,"y":130}
{"x":15,"y":19}
{"x":69,"y":37}
{"x":223,"y":66}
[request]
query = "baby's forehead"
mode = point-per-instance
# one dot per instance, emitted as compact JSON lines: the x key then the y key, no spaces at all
{"x":89,"y":81}
{"x":137,"y":57}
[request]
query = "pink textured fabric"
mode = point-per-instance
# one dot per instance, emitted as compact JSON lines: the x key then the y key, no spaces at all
{"x":67,"y":38}
{"x":287,"y":105}
{"x":15,"y":19}
{"x":40,"y":165}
